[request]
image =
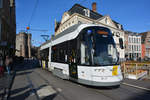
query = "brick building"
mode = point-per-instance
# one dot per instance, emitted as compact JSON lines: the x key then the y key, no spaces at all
{"x":7,"y":27}
{"x":23,"y":44}
{"x":145,"y":44}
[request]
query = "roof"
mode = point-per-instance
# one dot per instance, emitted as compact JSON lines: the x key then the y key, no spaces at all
{"x":77,"y":8}
{"x":131,"y":33}
{"x":80,"y":10}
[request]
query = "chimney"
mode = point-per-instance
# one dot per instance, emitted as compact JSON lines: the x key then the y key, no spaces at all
{"x":94,"y":6}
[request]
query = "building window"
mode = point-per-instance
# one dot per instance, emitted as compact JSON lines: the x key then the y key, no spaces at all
{"x":139,"y":48}
{"x":106,"y":21}
{"x":129,"y":47}
{"x":148,"y":40}
{"x":0,"y":29}
{"x":129,"y":40}
{"x":113,"y":33}
{"x":132,"y":48}
{"x":132,"y":40}
{"x":72,"y":22}
{"x":87,"y":12}
{"x":69,"y":24}
{"x":1,"y":3}
{"x":117,"y":34}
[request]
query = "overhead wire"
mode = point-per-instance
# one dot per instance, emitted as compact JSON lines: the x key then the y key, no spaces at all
{"x":33,"y":12}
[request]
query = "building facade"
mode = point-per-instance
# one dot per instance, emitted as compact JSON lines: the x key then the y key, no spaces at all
{"x":133,"y":47}
{"x":145,"y":45}
{"x":23,"y":44}
{"x":79,"y":14}
{"x":7,"y":27}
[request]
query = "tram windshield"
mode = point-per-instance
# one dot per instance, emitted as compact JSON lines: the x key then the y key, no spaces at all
{"x":98,"y":47}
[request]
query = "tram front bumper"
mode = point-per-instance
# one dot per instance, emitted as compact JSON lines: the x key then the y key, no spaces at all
{"x":94,"y":83}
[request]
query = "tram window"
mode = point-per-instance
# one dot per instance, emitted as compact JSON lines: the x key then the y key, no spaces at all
{"x":86,"y":47}
{"x":59,"y":53}
{"x":65,"y":51}
{"x":44,"y":54}
{"x":53,"y":58}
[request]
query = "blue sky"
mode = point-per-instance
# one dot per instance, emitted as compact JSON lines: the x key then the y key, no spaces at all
{"x":134,"y":15}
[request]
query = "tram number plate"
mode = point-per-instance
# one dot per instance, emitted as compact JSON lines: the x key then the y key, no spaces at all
{"x":115,"y":70}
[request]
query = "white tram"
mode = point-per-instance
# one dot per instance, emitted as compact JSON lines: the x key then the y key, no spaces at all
{"x":85,"y":53}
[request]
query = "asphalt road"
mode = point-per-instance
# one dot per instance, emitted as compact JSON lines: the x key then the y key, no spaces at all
{"x":32,"y":83}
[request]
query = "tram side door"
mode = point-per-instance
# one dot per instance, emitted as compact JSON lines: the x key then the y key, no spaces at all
{"x":73,"y":71}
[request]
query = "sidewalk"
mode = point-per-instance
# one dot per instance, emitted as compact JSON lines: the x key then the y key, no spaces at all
{"x":5,"y":85}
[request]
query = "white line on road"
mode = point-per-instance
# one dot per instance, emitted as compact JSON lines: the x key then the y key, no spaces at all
{"x":59,"y":89}
{"x":136,"y":86}
{"x":46,"y":91}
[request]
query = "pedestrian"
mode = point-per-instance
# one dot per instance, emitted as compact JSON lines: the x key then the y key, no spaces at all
{"x":7,"y":64}
{"x":1,"y":66}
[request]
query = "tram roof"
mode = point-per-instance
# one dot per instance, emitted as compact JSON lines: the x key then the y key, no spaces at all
{"x":67,"y":31}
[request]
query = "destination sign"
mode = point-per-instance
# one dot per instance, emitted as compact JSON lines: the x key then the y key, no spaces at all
{"x":102,"y":32}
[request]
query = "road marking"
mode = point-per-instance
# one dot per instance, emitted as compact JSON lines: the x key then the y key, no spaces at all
{"x":59,"y":89}
{"x":46,"y":91}
{"x":136,"y":86}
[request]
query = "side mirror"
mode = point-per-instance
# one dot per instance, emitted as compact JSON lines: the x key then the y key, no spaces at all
{"x":121,"y":43}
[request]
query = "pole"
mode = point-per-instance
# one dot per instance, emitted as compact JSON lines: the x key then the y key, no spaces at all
{"x":29,"y":45}
{"x":29,"y":42}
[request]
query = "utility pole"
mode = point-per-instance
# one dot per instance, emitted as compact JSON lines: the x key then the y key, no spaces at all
{"x":29,"y":43}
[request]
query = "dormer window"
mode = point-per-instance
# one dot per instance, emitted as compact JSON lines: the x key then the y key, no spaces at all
{"x":87,"y":12}
{"x":119,"y":26}
{"x":107,"y":21}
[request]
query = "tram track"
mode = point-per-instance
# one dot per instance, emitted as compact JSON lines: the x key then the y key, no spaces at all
{"x":122,"y":93}
{"x":138,"y":87}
